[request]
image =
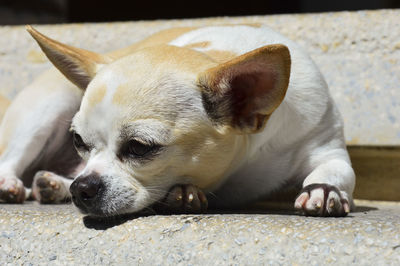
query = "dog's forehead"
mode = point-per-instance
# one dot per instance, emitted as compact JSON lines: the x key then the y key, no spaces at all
{"x":147,"y":79}
{"x":145,"y":85}
{"x":114,"y":90}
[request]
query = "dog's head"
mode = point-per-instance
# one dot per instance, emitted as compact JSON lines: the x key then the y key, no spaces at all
{"x":163,"y":115}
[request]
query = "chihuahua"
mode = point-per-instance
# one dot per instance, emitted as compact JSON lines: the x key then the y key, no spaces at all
{"x":188,"y":118}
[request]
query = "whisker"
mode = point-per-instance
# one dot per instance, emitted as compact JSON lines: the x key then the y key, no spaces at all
{"x":213,"y":195}
{"x":161,"y":202}
{"x":65,"y":121}
{"x":150,"y":210}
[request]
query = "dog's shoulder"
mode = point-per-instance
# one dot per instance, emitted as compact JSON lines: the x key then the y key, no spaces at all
{"x":225,"y":42}
{"x":159,"y":38}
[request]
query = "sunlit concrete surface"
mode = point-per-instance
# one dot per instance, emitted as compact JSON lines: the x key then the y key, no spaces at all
{"x":358,"y":53}
{"x":31,"y":234}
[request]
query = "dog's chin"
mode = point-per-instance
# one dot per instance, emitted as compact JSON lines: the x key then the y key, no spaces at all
{"x":105,"y":212}
{"x":101,"y":210}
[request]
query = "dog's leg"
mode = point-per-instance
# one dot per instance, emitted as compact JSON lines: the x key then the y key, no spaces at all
{"x":11,"y":189}
{"x":35,"y":125}
{"x":48,"y":187}
{"x":327,"y":189}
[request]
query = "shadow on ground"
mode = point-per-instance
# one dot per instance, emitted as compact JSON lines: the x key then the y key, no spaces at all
{"x":267,"y":208}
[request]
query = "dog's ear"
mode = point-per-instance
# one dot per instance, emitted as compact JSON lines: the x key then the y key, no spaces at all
{"x":244,"y":92}
{"x":78,"y":65}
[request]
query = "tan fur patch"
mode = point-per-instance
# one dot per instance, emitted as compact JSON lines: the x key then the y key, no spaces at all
{"x":2,"y":149}
{"x":254,"y":25}
{"x":162,"y":37}
{"x":197,"y":45}
{"x":121,"y":95}
{"x":95,"y":98}
{"x":206,"y":150}
{"x":166,"y":36}
{"x":220,"y":56}
{"x":182,"y":59}
{"x":4,"y":103}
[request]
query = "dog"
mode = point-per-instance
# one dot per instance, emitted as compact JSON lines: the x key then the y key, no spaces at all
{"x":188,"y":118}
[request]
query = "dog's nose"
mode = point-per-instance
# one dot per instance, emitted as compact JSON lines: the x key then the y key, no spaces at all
{"x":86,"y":189}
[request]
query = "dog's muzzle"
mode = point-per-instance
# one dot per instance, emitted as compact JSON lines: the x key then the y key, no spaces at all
{"x":87,"y":192}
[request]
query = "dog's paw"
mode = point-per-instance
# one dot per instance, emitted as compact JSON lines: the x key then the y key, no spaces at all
{"x":12,"y":190}
{"x":322,"y":200}
{"x":185,"y":199}
{"x":48,"y":187}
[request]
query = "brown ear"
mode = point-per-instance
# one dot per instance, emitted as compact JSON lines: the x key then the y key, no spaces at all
{"x":244,"y":92}
{"x":77,"y":65}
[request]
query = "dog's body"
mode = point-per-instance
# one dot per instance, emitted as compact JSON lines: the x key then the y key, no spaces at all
{"x":210,"y":108}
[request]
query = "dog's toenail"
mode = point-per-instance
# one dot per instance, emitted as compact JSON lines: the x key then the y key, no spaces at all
{"x":54,"y":185}
{"x":190,"y":198}
{"x":346,"y":208}
{"x":331,"y":203}
{"x":179,"y":197}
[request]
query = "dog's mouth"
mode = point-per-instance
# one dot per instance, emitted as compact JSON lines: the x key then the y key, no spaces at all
{"x":91,"y":207}
{"x":96,"y":197}
{"x":100,"y":209}
{"x":107,"y":204}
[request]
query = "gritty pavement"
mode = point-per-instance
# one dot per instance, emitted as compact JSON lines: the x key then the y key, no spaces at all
{"x":33,"y":234}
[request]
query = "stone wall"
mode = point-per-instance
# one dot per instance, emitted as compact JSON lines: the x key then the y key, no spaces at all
{"x":358,"y":53}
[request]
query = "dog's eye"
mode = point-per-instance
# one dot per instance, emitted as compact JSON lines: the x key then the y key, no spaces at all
{"x":78,"y":142}
{"x":137,"y":149}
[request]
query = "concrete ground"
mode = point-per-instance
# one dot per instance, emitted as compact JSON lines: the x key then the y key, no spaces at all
{"x":33,"y":234}
{"x":359,"y":54}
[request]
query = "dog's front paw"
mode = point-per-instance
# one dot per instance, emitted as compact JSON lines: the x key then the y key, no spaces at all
{"x":48,"y":187}
{"x":185,"y":199}
{"x":12,"y":190}
{"x":322,"y":200}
